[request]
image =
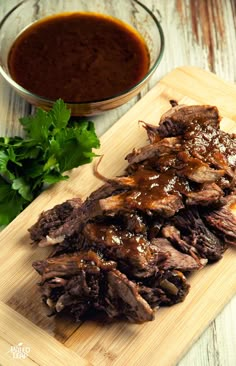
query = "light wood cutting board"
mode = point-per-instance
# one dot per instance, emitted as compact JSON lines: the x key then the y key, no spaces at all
{"x":55,"y":341}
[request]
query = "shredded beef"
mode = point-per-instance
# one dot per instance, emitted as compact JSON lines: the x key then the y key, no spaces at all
{"x":127,"y":249}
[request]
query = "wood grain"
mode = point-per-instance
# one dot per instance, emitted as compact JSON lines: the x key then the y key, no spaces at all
{"x":187,"y":42}
{"x":15,"y":327}
{"x":118,"y":343}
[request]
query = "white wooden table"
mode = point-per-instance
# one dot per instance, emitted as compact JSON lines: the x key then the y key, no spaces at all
{"x":200,"y":33}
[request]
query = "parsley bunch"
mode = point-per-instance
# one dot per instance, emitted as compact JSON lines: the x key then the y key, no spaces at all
{"x":51,"y":146}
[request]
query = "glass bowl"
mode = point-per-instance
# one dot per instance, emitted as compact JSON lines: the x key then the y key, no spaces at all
{"x":132,"y":12}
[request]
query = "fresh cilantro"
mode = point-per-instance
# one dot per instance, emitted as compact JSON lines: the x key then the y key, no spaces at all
{"x":53,"y":144}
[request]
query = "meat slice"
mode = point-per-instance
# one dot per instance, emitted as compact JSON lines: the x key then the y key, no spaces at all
{"x":51,"y":219}
{"x":175,"y":258}
{"x":132,"y":251}
{"x":152,"y":132}
{"x":198,"y":171}
{"x":71,"y":264}
{"x":134,"y":222}
{"x":175,"y":121}
{"x":85,"y":282}
{"x":49,"y":230}
{"x":152,"y":191}
{"x":155,"y":224}
{"x":123,"y":298}
{"x":165,"y":288}
{"x":81,"y":293}
{"x":164,"y":206}
{"x":223,"y":221}
{"x":191,"y":234}
{"x":160,"y":148}
{"x":208,"y":194}
{"x":212,"y":146}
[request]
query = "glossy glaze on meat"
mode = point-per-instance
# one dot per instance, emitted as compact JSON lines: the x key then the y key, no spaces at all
{"x":126,"y":250}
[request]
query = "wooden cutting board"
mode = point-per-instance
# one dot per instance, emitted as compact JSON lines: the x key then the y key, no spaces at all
{"x":55,"y":341}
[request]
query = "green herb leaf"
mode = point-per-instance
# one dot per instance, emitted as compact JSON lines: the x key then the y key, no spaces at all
{"x":86,"y":136}
{"x":54,"y":178}
{"x":60,"y":114}
{"x":4,"y":159}
{"x":37,"y":126}
{"x":53,"y":144}
{"x":11,"y":203}
{"x":23,"y":188}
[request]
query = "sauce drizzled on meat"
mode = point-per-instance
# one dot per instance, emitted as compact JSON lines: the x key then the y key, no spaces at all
{"x":152,"y":184}
{"x":211,"y":145}
{"x":127,"y":242}
{"x":78,"y":57}
{"x":140,"y":233}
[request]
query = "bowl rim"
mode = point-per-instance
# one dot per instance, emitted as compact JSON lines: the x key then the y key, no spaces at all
{"x":30,"y":94}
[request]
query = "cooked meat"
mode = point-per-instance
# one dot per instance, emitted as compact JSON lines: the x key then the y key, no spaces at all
{"x":151,"y":191}
{"x":160,"y":148}
{"x":79,"y":295}
{"x":223,"y":222}
{"x":213,"y":146}
{"x":208,"y":194}
{"x":195,"y":234}
{"x":137,"y":200}
{"x":165,"y":288}
{"x":175,"y":258}
{"x":120,"y":244}
{"x":52,"y":219}
{"x":154,"y":225}
{"x":152,"y":132}
{"x":133,"y":252}
{"x":68,"y":265}
{"x":196,"y":170}
{"x":73,"y":223}
{"x":123,"y":298}
{"x":175,"y":121}
{"x":134,"y":222}
{"x":126,"y":249}
{"x":84,"y":291}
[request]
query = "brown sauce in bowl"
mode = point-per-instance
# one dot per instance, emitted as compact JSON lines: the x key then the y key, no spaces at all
{"x":78,"y":57}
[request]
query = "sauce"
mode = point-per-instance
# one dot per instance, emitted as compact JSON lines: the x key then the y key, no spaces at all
{"x":122,"y":243}
{"x":78,"y":57}
{"x":152,"y":186}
